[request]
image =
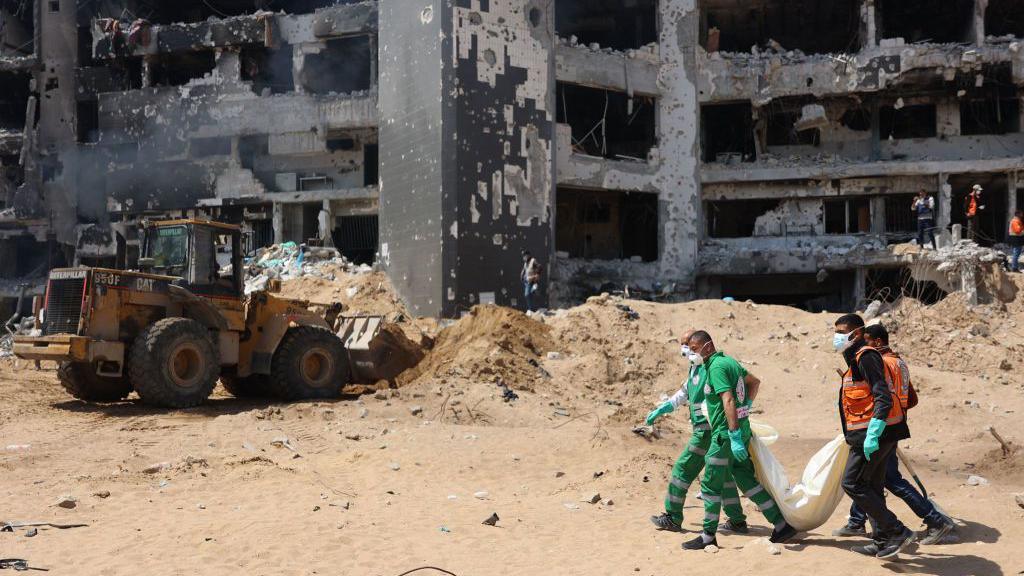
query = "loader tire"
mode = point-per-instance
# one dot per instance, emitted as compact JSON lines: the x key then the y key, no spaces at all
{"x":82,"y":382}
{"x":252,"y":386}
{"x":174,"y":363}
{"x":310,"y":362}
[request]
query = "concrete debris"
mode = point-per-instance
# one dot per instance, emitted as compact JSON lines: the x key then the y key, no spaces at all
{"x":592,"y":498}
{"x":491,"y":520}
{"x":974,"y":480}
{"x":66,"y":501}
{"x":289,"y":260}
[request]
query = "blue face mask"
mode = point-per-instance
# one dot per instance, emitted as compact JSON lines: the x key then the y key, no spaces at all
{"x":842,"y":341}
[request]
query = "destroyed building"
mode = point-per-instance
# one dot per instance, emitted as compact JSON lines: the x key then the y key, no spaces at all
{"x":698,"y":148}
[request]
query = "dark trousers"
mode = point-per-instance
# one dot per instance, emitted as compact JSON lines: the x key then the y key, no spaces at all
{"x":904,"y":490}
{"x":925,"y":227}
{"x":864,"y":483}
{"x":972,"y":227}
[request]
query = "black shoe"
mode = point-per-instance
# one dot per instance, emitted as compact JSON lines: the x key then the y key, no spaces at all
{"x":935,"y":534}
{"x":894,"y":544}
{"x":782,"y":535}
{"x":734,"y":527}
{"x":868,"y":550}
{"x":665,"y":522}
{"x":850,"y":530}
{"x":698,"y":543}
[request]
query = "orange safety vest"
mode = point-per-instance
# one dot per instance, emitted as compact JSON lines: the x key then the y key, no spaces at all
{"x":1016,"y":227}
{"x":858,"y":403}
{"x":898,"y":374}
{"x":972,"y":206}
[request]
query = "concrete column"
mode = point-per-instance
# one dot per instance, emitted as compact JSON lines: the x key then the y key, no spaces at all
{"x":868,"y":25}
{"x":978,"y":30}
{"x":945,"y":202}
{"x":860,"y":281}
{"x":1011,"y":195}
{"x":878,"y":215}
{"x":278,"y":222}
{"x":969,"y":284}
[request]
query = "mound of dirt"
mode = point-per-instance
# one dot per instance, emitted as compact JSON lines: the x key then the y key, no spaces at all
{"x":490,"y":344}
{"x":368,"y":293}
{"x":953,"y":335}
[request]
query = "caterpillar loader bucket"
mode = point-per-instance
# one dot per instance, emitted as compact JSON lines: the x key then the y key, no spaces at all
{"x":377,"y":350}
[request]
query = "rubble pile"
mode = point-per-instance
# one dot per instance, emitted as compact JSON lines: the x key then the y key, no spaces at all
{"x":289,"y":261}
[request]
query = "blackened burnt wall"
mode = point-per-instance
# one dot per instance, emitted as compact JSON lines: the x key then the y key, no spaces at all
{"x":504,"y":71}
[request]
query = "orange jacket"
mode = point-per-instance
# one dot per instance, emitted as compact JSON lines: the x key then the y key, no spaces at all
{"x":972,"y":205}
{"x":858,"y":403}
{"x":898,"y":374}
{"x":1016,"y":227}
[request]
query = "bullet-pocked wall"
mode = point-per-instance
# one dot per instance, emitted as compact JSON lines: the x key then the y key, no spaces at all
{"x":503,"y":109}
{"x":414,"y":160}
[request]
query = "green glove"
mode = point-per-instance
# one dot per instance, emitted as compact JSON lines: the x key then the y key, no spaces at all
{"x":875,"y":428}
{"x":739,"y":448}
{"x":660,"y":411}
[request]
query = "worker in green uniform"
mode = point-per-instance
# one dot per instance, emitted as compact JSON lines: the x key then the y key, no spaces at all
{"x":728,"y":402}
{"x":689,"y":464}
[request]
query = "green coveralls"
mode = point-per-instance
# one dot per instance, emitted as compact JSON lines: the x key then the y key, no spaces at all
{"x":687,"y":468}
{"x":719,"y":374}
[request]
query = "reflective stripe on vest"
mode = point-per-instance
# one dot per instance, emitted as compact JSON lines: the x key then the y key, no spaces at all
{"x":858,"y":403}
{"x":898,"y":375}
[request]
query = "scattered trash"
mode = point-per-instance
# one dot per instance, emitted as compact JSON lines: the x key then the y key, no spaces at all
{"x":394,"y":466}
{"x":102,"y":494}
{"x":629,"y":313}
{"x":282,"y":442}
{"x":1020,"y":499}
{"x":598,"y":474}
{"x":592,"y":498}
{"x":491,"y":520}
{"x":445,"y":529}
{"x":158,"y":467}
{"x":973,"y":480}
{"x":646,"y":432}
{"x":507,"y":394}
{"x":67,"y":502}
{"x":289,"y":260}
{"x":559,"y":474}
{"x":31,"y":532}
{"x":343,"y":504}
{"x":711,"y":549}
{"x":10,"y":526}
{"x":571,"y":505}
{"x":18,"y":447}
{"x":481,"y":495}
{"x":554,"y":356}
{"x":416,"y":410}
{"x":561,"y":412}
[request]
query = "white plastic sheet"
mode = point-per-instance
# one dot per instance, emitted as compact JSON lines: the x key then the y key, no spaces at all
{"x":809,"y":503}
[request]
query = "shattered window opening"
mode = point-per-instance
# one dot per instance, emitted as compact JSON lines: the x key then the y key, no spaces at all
{"x":606,"y":224}
{"x":727,"y":133}
{"x":736,"y":218}
{"x":781,"y":25}
{"x":899,"y":218}
{"x":269,"y":69}
{"x":848,"y":215}
{"x":948,"y":21}
{"x":916,"y":121}
{"x":179,"y":69}
{"x":17,"y":28}
{"x":616,"y":24}
{"x":1004,"y":18}
{"x":343,"y":66}
{"x":608,"y":124}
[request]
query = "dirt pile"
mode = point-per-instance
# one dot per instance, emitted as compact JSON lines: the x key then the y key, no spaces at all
{"x":360,"y":293}
{"x":490,"y":344}
{"x":987,"y":340}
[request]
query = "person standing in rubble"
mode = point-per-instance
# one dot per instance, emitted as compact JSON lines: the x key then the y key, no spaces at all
{"x":973,"y":205}
{"x":531,"y":278}
{"x":728,"y":402}
{"x":1015,"y":238}
{"x":938,"y":524}
{"x":690,"y":463}
{"x":872,"y":420}
{"x":924,"y":206}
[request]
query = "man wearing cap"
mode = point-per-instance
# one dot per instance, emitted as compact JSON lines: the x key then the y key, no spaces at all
{"x":973,"y":205}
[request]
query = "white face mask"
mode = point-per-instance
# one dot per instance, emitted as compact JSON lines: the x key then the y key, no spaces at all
{"x":842,"y":341}
{"x":695,"y":357}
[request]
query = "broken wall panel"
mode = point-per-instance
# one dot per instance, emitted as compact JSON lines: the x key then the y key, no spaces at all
{"x":810,"y":26}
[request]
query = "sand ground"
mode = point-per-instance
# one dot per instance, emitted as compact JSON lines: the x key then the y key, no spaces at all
{"x":365,"y":486}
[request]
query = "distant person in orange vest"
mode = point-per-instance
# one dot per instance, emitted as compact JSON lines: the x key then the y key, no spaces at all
{"x":1015,"y":239}
{"x":973,"y":205}
{"x":938,"y":524}
{"x":873,"y":422}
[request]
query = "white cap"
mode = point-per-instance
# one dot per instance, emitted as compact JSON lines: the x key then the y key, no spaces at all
{"x":977,"y":187}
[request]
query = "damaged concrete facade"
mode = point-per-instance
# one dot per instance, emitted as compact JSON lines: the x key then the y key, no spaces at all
{"x":694,"y":148}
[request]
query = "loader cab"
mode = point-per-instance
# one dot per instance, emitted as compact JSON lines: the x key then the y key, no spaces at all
{"x":207,"y":256}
